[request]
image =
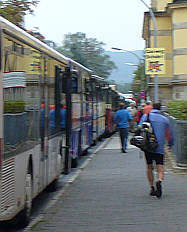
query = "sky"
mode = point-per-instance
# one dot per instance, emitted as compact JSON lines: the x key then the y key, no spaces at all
{"x":116,"y":23}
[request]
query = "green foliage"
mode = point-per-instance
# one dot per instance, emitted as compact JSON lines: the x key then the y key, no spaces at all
{"x":88,"y":52}
{"x":15,"y":10}
{"x":14,"y":106}
{"x":139,"y":80}
{"x":178,"y":109}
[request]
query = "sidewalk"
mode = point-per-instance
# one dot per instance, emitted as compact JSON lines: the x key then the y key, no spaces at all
{"x":111,"y":194}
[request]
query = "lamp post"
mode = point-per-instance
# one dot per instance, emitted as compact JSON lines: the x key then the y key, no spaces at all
{"x":120,"y":49}
{"x":139,"y":59}
{"x":155,"y":46}
{"x":142,"y":90}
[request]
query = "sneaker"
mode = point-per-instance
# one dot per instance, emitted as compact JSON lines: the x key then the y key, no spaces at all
{"x":152,"y":192}
{"x":159,"y":189}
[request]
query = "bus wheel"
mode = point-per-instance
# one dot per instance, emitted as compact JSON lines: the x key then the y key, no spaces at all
{"x":94,"y":142}
{"x":74,"y":163}
{"x":85,"y":152}
{"x":25,"y":214}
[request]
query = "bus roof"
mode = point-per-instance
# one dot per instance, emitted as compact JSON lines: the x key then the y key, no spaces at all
{"x":20,"y":34}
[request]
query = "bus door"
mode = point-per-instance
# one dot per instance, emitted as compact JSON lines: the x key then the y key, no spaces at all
{"x":66,"y":84}
{"x":51,"y":139}
{"x":44,"y":125}
{"x":1,"y":105}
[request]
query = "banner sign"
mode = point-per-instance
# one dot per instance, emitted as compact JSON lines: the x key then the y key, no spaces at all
{"x":155,"y":61}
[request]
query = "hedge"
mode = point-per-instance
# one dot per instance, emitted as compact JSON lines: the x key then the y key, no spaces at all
{"x":178,"y":109}
{"x":14,"y":106}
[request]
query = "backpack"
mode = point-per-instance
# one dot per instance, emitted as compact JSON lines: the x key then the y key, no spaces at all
{"x":144,"y":137}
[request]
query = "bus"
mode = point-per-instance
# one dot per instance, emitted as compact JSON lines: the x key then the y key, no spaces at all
{"x":31,"y":155}
{"x":38,"y":86}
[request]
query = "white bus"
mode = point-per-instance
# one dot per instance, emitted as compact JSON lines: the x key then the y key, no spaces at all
{"x":30,"y":150}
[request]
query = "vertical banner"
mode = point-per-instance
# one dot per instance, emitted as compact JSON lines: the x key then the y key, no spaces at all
{"x":155,"y":61}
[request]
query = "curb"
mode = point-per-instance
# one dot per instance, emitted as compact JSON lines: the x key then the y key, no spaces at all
{"x":53,"y":201}
{"x":172,"y":163}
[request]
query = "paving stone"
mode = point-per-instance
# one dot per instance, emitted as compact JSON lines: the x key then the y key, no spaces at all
{"x":112,"y":195}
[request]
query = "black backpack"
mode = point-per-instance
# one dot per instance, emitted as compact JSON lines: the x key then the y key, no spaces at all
{"x":144,"y":137}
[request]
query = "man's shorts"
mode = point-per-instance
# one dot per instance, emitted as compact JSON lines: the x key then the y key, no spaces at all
{"x":150,"y":157}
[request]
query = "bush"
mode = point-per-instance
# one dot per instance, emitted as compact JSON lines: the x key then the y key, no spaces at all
{"x":178,"y":109}
{"x":14,"y":106}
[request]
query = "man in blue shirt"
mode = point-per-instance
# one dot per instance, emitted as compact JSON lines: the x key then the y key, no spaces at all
{"x":122,"y":118}
{"x":162,"y":130}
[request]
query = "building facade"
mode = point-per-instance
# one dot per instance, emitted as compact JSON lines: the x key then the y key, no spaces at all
{"x":171,"y":20}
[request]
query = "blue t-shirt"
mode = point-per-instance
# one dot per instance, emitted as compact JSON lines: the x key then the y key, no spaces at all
{"x":161,"y":128}
{"x":122,"y":118}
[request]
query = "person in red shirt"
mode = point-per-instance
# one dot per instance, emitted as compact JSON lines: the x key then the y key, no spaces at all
{"x":147,"y":108}
{"x":139,"y":114}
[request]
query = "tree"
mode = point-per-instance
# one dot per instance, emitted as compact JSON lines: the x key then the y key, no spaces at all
{"x":88,"y":52}
{"x":139,"y":80}
{"x":15,"y":10}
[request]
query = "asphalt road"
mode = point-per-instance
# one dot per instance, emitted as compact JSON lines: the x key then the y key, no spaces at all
{"x":44,"y":199}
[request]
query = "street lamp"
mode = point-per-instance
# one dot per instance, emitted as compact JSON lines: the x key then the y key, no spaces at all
{"x":130,"y":64}
{"x":139,"y":59}
{"x":155,"y":46}
{"x":141,"y":76}
{"x":120,"y":49}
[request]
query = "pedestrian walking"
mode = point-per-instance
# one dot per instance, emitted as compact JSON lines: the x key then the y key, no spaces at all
{"x":147,"y":108}
{"x":139,"y":114}
{"x":122,"y":118}
{"x":133,"y":111}
{"x":162,"y":130}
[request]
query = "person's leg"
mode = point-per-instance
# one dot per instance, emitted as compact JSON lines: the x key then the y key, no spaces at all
{"x":160,"y":170}
{"x":121,"y":137}
{"x":126,"y":131}
{"x":150,"y":175}
{"x":131,"y":126}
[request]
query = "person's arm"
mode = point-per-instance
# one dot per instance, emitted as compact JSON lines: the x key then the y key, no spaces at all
{"x":143,"y":119}
{"x":116,"y":118}
{"x":169,"y":135}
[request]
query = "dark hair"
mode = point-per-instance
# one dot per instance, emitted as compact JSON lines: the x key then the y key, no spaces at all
{"x":121,"y":105}
{"x":156,"y":105}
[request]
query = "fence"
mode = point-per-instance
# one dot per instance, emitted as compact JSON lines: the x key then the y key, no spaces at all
{"x":179,"y":149}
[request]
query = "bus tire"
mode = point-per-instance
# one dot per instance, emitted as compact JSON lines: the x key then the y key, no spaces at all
{"x":94,"y":142}
{"x":85,"y":152}
{"x":74,"y":163}
{"x":24,"y":216}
